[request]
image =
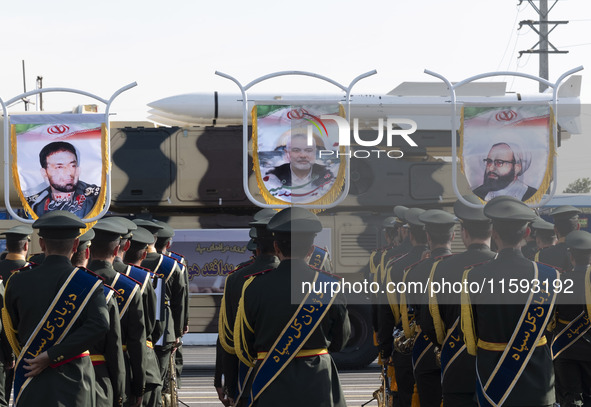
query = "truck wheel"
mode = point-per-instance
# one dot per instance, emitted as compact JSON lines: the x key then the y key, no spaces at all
{"x":360,"y":350}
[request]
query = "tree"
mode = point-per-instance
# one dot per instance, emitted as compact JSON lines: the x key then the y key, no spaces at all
{"x":579,"y":186}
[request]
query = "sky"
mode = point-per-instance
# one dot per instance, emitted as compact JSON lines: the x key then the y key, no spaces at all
{"x":175,"y":47}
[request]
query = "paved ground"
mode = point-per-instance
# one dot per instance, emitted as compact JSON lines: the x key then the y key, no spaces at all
{"x":197,"y":380}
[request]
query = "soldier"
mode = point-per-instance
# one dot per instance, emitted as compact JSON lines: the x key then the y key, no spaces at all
{"x":119,"y":262}
{"x":47,"y":295}
{"x":163,"y":242}
{"x":169,"y":272}
{"x":439,"y":228}
{"x":566,"y":219}
{"x":136,"y":253}
{"x":107,"y":354}
{"x":265,"y":259}
{"x":442,"y":322}
{"x":504,"y":330}
{"x":545,"y":236}
{"x":289,"y":342}
{"x":571,"y":345}
{"x":389,"y":313}
{"x":17,"y":246}
{"x":103,"y":250}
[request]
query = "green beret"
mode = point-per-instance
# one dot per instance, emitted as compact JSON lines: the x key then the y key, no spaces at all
{"x":19,"y":232}
{"x":166,"y":232}
{"x":564,"y":212}
{"x":126,"y":223}
{"x":467,"y":213}
{"x":59,"y":225}
{"x":400,"y":212}
{"x":541,"y":224}
{"x":437,"y":218}
{"x":148,"y":224}
{"x":578,"y":239}
{"x":294,"y":220}
{"x":108,"y":230}
{"x":506,"y":208}
{"x":142,"y":236}
{"x":412,"y":216}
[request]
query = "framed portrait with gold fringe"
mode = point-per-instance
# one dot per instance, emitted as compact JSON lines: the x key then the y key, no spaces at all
{"x":297,"y":157}
{"x":507,"y":150}
{"x":60,"y":162}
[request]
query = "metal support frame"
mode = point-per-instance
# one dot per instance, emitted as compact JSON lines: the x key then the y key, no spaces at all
{"x":7,"y":149}
{"x":244,"y":89}
{"x":554,"y":100}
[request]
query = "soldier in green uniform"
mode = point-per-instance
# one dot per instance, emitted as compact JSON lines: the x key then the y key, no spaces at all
{"x":288,"y":341}
{"x":136,"y":252}
{"x":442,"y":322}
{"x":571,"y":347}
{"x":566,"y":219}
{"x":163,"y":242}
{"x":505,"y":328}
{"x":265,"y":259}
{"x":439,"y":228}
{"x":389,"y":312}
{"x":17,"y":246}
{"x":107,"y":354}
{"x":545,"y":236}
{"x":103,"y":250}
{"x":168,"y":270}
{"x":56,"y":361}
{"x":119,"y":262}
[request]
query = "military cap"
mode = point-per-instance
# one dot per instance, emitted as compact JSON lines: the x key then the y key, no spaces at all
{"x":148,"y":224}
{"x":294,"y":220}
{"x":437,"y":219}
{"x":541,"y":224}
{"x":400,"y":212}
{"x":251,"y":245}
{"x":262,"y":218}
{"x":59,"y":225}
{"x":142,"y":236}
{"x":508,"y":209}
{"x":468,"y":213}
{"x":412,"y":216}
{"x":107,"y":229}
{"x":166,"y":232}
{"x":578,"y":239}
{"x":252,"y":233}
{"x":131,"y":226}
{"x":19,"y":232}
{"x":564,"y":212}
{"x":389,"y":222}
{"x":85,"y":239}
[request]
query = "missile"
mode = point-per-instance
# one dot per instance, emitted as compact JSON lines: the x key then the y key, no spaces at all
{"x":427,"y":103}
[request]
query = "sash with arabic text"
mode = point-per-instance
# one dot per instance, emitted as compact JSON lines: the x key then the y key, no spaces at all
{"x":529,"y":330}
{"x":570,"y":334}
{"x":56,"y":323}
{"x":125,"y":288}
{"x":452,"y":347}
{"x":165,"y":267}
{"x":138,"y":274}
{"x":421,"y":347}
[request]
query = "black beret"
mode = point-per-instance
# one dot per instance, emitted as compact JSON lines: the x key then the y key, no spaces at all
{"x":59,"y":225}
{"x":294,"y":220}
{"x":506,"y":208}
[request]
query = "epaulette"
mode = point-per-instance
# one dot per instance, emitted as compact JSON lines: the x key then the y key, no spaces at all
{"x":93,"y":273}
{"x":242,"y":265}
{"x":258,"y":272}
{"x":324,"y":272}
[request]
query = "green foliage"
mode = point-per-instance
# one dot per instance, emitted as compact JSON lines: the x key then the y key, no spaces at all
{"x":579,"y":186}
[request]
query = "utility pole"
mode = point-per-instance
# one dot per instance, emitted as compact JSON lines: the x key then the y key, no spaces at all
{"x":543,"y":32}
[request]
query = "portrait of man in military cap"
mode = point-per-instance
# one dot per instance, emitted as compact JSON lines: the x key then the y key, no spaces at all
{"x":60,"y":168}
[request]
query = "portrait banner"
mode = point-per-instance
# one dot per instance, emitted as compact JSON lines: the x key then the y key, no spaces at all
{"x":60,"y":162}
{"x":297,"y":157}
{"x":507,"y":151}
